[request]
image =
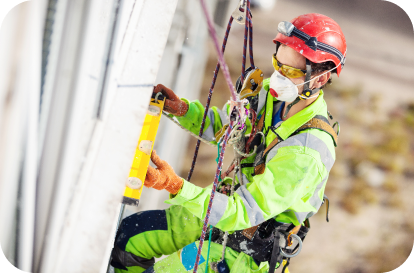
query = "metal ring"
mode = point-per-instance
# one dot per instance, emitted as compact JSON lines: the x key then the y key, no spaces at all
{"x":339,"y":127}
{"x":297,"y":251}
{"x":261,"y":133}
{"x":156,"y":97}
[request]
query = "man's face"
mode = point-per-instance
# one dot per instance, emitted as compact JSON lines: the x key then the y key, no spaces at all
{"x":290,"y":57}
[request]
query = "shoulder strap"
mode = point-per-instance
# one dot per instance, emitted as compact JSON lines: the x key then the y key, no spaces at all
{"x":318,"y":122}
{"x":261,"y":122}
{"x":321,"y":123}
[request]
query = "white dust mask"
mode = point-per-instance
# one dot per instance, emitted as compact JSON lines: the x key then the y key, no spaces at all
{"x":282,"y":88}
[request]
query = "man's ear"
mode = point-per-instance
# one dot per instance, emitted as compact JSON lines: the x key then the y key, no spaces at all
{"x":322,"y":79}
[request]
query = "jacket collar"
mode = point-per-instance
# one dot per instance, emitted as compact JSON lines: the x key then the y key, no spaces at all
{"x":289,"y":126}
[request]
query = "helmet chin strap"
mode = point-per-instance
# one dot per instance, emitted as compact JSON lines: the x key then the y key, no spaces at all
{"x":307,"y":93}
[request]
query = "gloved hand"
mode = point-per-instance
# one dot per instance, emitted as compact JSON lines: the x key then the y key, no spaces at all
{"x":173,"y":104}
{"x":163,"y":177}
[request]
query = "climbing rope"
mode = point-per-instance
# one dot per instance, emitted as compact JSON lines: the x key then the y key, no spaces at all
{"x":237,"y":104}
{"x":235,"y":132}
{"x":248,"y":30}
{"x":213,"y":191}
{"x":210,"y":93}
{"x":226,"y":234}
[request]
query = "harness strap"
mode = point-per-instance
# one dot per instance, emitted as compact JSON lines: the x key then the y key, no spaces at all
{"x":318,"y":122}
{"x":275,"y":253}
{"x":250,"y":232}
{"x":260,"y":123}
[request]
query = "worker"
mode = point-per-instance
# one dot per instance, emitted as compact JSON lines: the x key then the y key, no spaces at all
{"x":284,"y":180}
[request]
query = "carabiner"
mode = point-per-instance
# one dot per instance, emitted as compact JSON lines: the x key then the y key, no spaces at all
{"x":297,"y":251}
{"x":339,"y":128}
{"x":157,"y":96}
{"x":327,"y":206}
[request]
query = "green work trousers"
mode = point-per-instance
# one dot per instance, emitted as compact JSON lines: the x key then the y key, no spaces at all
{"x":174,"y":232}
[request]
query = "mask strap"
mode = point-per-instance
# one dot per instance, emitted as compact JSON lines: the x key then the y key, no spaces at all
{"x":306,"y":89}
{"x":306,"y":81}
{"x":307,"y":93}
{"x":308,"y":74}
{"x":290,"y":106}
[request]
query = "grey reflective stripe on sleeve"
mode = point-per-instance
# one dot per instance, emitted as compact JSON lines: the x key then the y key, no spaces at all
{"x":262,"y":100}
{"x":208,"y":133}
{"x":315,"y":201}
{"x":245,"y":180}
{"x":218,"y":208}
{"x":306,"y":140}
{"x":252,"y":208}
{"x":301,"y":216}
{"x":223,"y":116}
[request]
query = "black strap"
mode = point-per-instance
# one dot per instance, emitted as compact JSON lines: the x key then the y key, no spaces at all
{"x":308,"y":76}
{"x":306,"y":91}
{"x":246,"y":165}
{"x":275,"y":253}
{"x":314,"y":44}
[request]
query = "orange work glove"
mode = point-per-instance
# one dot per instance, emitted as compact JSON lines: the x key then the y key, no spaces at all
{"x":163,"y":177}
{"x":173,"y":104}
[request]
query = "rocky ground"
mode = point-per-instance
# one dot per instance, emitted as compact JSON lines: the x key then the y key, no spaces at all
{"x":371,"y":226}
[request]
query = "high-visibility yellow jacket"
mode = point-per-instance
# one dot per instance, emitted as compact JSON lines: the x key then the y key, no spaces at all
{"x":292,"y":186}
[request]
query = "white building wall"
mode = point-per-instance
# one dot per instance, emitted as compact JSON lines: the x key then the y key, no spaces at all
{"x":95,"y":151}
{"x":20,"y":48}
{"x":64,"y":161}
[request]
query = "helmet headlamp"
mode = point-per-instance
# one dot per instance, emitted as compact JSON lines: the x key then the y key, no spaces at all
{"x":285,"y":28}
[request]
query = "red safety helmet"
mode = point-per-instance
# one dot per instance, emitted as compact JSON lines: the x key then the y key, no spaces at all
{"x":317,"y":37}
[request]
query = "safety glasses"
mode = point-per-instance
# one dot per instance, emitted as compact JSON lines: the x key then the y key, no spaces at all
{"x":288,"y":71}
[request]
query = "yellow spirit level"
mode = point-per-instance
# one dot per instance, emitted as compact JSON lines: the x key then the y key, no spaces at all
{"x":142,"y":156}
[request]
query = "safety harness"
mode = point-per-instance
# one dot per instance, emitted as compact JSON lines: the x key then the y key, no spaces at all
{"x":317,"y":122}
{"x":271,"y":241}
